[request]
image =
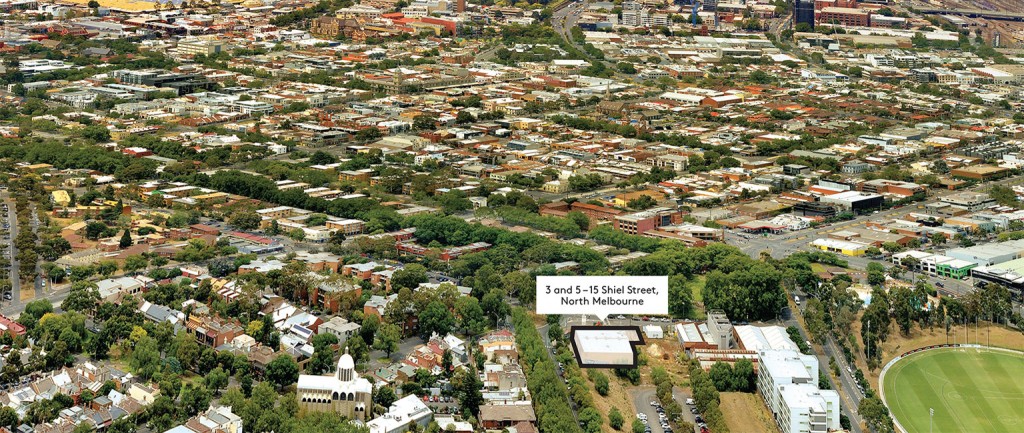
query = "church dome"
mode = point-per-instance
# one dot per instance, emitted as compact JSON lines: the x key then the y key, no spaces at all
{"x":346,"y":367}
{"x":346,"y":362}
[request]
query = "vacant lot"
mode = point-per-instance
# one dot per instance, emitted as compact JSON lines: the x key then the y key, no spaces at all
{"x":746,"y":413}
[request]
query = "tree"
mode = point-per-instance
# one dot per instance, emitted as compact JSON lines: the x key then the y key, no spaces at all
{"x":409,"y":276}
{"x":680,"y":296}
{"x":8,"y":418}
{"x":721,"y":375}
{"x":638,"y":426}
{"x":135,"y":262}
{"x":464,"y":117}
{"x":752,"y":291}
{"x":1004,"y":195}
{"x":424,"y":122}
{"x":744,"y":378}
{"x":94,"y":229}
{"x":322,"y":158}
{"x":467,"y":387}
{"x":387,"y":338}
{"x":368,"y":328}
{"x":938,"y":238}
{"x":106,"y":268}
{"x":876,"y":274}
{"x":187,"y":350}
{"x":126,"y":240}
{"x":494,"y":305}
{"x":145,"y":358}
{"x":323,"y":353}
{"x":216,"y":379}
{"x":642,"y":202}
{"x":875,"y":414}
{"x":615,"y":419}
{"x":384,"y":396}
{"x":904,"y":307}
{"x":435,"y":319}
{"x":93,"y":4}
{"x":282,"y":371}
{"x":83,"y":297}
{"x":580,"y":219}
{"x":601,"y":384}
{"x":470,"y":315}
{"x":245,"y":219}
{"x":454,"y":201}
{"x":195,"y":399}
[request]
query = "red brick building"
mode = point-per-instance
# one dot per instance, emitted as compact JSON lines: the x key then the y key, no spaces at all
{"x":642,"y":222}
{"x":844,"y":16}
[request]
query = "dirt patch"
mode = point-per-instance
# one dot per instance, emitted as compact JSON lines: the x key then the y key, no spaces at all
{"x":746,"y":413}
{"x":27,"y":294}
{"x":537,"y":319}
{"x":617,"y":397}
{"x":654,"y":351}
{"x":664,"y":353}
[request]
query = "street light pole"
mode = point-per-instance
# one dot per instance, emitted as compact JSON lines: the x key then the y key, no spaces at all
{"x":931,"y":414}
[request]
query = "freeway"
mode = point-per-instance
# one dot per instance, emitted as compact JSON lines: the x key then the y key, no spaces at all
{"x":564,"y":20}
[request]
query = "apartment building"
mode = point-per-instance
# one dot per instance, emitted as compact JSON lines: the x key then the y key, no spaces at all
{"x":788,"y":381}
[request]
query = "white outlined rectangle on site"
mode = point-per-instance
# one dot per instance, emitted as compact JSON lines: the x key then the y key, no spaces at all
{"x":602,"y":295}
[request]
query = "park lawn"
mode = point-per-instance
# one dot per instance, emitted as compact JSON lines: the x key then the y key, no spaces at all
{"x":970,"y":390}
{"x":746,"y":412}
{"x":986,"y":334}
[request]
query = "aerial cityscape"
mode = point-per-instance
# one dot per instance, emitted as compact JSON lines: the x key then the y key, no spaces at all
{"x":541,"y":216}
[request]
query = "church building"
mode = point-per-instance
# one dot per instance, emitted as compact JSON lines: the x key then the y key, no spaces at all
{"x":343,"y":392}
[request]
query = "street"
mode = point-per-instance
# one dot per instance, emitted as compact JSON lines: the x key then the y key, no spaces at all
{"x":848,"y":394}
{"x":543,"y":330}
{"x":15,"y":304}
{"x":782,"y":245}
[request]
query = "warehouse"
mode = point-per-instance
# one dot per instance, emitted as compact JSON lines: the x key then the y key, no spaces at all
{"x":606,"y":346}
{"x":989,"y":254}
{"x":757,"y":338}
{"x":855,"y":201}
{"x":1009,"y":274}
{"x":839,"y":246}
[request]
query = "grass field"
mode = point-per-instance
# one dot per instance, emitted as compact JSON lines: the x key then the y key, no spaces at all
{"x":745,"y":412}
{"x":971,"y":390}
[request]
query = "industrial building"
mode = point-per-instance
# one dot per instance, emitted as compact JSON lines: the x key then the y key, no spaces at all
{"x":855,"y":201}
{"x":935,"y":264}
{"x":969,"y":201}
{"x":1009,"y":274}
{"x":990,"y":253}
{"x":605,"y":346}
{"x":846,"y":248}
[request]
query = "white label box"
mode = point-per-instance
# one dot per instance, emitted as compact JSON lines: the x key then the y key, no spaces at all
{"x":602,"y":295}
